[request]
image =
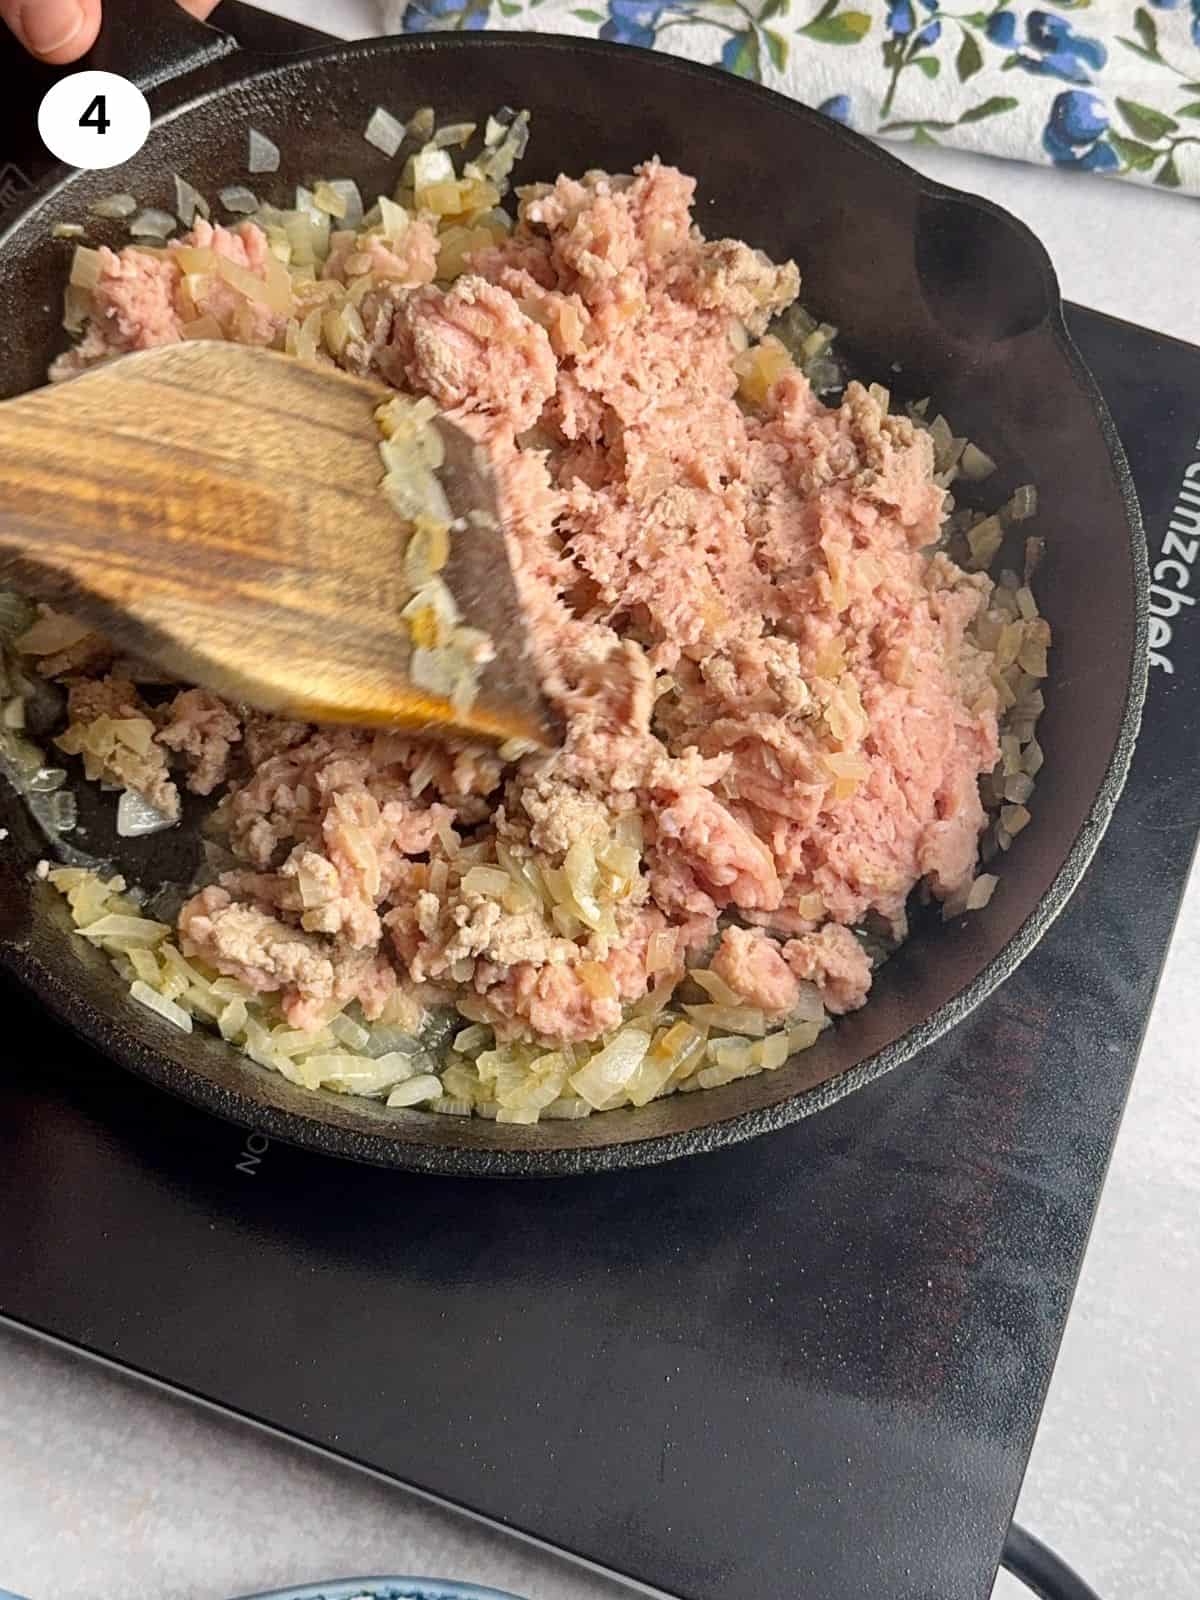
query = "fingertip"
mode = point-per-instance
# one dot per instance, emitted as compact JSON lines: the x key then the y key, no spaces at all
{"x":73,"y":49}
{"x":65,"y":43}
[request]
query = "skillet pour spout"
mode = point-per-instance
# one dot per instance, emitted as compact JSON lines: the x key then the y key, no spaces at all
{"x":934,"y":293}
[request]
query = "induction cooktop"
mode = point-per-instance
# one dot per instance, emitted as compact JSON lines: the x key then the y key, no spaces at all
{"x":811,"y":1365}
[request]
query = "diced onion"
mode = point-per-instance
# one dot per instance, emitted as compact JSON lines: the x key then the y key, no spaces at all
{"x":46,"y":780}
{"x":731,"y":1052}
{"x":237,"y":198}
{"x":167,"y":1009}
{"x":352,"y":206}
{"x":981,"y":891}
{"x":772,"y":1051}
{"x":152,"y":224}
{"x":189,"y":202}
{"x":452,"y":133}
{"x":230,"y":989}
{"x":114,"y":927}
{"x":431,"y":166}
{"x":384,"y":131}
{"x":603,"y":1077}
{"x":303,"y":341}
{"x":145,"y":965}
{"x":350,"y":1033}
{"x":426,"y":1087}
{"x":355,"y":1074}
{"x":384,"y":1038}
{"x":77,"y":307}
{"x":823,"y":376}
{"x":274,"y":292}
{"x":975,"y":464}
{"x":67,"y":230}
{"x":566,"y":1110}
{"x":715,"y":987}
{"x":985,"y":539}
{"x":449,"y":1107}
{"x":1013,"y":819}
{"x":496,"y":127}
{"x":308,"y":234}
{"x":421,"y":123}
{"x":340,"y":325}
{"x":232,"y":1019}
{"x":114,"y":205}
{"x":137,"y":817}
{"x":488,"y":881}
{"x":196,"y":260}
{"x":809,"y":1007}
{"x":759,"y":368}
{"x":803,"y":1035}
{"x":57,"y":812}
{"x":263,"y":153}
{"x":327,"y":198}
{"x":655,"y":1072}
{"x":1023,"y":504}
{"x":393,"y":219}
{"x":734,"y":1019}
{"x":427,"y":552}
{"x":85,"y":268}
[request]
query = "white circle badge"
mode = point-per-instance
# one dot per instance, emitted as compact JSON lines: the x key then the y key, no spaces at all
{"x":94,"y":119}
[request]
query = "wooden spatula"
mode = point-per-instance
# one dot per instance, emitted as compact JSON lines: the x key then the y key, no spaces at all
{"x":216,"y":509}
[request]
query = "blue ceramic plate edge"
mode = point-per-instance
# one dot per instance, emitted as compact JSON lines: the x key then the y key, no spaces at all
{"x":384,"y":1589}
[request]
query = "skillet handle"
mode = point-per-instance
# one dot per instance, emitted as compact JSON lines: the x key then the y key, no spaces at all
{"x":152,"y":44}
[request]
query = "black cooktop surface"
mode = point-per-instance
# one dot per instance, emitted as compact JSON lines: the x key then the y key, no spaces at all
{"x":812,"y":1364}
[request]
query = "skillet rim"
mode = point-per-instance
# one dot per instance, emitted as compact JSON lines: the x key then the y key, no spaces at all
{"x":106,"y":1032}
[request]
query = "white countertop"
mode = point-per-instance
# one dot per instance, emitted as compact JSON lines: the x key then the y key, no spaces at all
{"x":109,"y":1488}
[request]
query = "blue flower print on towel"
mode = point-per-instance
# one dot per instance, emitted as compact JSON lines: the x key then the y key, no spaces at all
{"x":1001,"y":28}
{"x":633,"y":21}
{"x":1058,"y":51}
{"x":909,"y":45}
{"x":902,"y":20}
{"x":1074,"y":135}
{"x":1087,"y":85}
{"x":739,"y":54}
{"x":929,"y":34}
{"x":838,"y":107}
{"x":445,"y":16}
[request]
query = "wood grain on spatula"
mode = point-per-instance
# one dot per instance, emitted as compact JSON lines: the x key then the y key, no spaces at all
{"x":216,"y":509}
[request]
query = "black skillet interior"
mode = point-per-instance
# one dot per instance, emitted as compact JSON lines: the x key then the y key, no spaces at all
{"x":935,"y":293}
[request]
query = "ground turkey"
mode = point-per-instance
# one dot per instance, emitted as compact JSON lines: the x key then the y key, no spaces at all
{"x":775,"y":718}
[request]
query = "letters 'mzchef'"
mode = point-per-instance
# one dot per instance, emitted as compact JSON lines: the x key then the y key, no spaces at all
{"x":1172,"y":575}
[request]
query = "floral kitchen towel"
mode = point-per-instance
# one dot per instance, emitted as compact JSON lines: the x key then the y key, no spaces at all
{"x":1094,"y":85}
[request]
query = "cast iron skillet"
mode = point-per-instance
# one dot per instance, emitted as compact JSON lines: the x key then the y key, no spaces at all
{"x":935,"y":292}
